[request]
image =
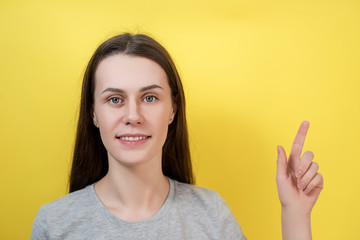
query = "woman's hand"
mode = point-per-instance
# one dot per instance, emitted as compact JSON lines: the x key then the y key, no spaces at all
{"x":299,"y":185}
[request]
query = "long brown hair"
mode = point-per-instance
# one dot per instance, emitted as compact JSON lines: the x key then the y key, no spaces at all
{"x":90,"y":161}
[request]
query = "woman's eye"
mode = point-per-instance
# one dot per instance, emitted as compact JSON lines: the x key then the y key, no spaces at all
{"x":149,"y":98}
{"x":115,"y":100}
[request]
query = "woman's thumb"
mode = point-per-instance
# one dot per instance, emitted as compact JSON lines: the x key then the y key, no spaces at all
{"x":281,"y":162}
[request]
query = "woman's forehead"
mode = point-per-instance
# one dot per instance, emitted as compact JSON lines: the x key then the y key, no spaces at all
{"x":124,"y":71}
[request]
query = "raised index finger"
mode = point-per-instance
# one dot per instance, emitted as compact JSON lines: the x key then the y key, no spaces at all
{"x":296,"y":149}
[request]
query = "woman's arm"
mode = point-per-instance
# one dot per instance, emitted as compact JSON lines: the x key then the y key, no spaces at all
{"x":299,"y":185}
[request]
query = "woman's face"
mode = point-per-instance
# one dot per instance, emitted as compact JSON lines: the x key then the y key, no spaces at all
{"x":132,"y":108}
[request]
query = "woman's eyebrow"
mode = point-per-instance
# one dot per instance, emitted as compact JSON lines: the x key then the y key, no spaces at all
{"x":143,"y":89}
{"x":150,"y":87}
{"x":117,"y":90}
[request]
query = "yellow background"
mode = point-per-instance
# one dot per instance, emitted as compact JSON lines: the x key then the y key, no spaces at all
{"x":252,"y":71}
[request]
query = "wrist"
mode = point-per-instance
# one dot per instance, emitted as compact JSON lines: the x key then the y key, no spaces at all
{"x":295,"y":211}
{"x":295,"y":224}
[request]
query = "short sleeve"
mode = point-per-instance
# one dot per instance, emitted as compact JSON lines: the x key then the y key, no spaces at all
{"x":229,"y":227}
{"x":39,"y":228}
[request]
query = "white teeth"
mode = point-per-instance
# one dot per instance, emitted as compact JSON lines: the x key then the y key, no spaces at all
{"x":132,"y":138}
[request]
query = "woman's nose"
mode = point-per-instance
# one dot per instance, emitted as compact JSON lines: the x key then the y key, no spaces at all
{"x":133,"y":114}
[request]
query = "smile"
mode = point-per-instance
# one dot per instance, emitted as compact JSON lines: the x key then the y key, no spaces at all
{"x":132,"y":138}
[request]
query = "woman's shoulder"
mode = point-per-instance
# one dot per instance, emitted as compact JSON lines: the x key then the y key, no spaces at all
{"x":69,"y":203}
{"x":205,"y":208}
{"x":198,"y":197}
{"x":190,"y":189}
{"x":58,"y":217}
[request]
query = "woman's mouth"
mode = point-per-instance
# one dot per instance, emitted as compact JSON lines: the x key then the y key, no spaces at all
{"x":132,"y":140}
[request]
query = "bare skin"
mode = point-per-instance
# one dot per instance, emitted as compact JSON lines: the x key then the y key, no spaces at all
{"x":299,"y":185}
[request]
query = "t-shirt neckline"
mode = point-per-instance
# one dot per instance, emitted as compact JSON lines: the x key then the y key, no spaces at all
{"x":114,"y":219}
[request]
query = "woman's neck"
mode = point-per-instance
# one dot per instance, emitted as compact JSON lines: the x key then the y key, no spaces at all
{"x":133,"y":193}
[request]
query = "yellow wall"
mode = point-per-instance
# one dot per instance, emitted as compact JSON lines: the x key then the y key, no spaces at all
{"x":253,"y":70}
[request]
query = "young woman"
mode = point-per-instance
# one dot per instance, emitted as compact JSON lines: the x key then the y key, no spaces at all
{"x":131,"y":176}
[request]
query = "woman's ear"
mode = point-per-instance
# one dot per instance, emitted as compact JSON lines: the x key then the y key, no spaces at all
{"x":95,"y":120}
{"x":172,"y":113}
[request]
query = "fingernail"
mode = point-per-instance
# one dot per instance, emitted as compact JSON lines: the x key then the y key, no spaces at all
{"x":301,"y":185}
{"x":299,"y":174}
{"x":306,"y":190}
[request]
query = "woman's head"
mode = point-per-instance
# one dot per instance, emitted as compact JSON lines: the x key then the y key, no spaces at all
{"x":90,"y":162}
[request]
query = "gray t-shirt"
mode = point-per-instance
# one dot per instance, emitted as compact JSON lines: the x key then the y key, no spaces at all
{"x":189,"y":212}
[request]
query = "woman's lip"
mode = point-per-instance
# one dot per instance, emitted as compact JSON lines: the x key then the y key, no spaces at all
{"x":132,"y":135}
